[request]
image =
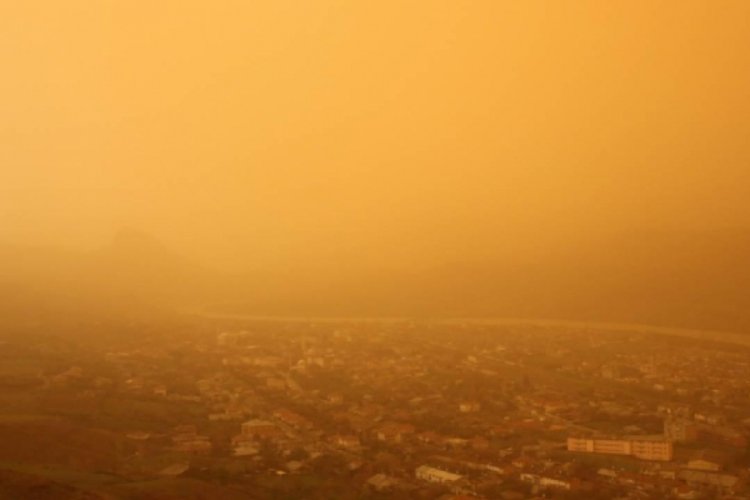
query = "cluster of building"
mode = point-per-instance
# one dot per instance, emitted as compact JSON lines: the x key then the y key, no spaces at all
{"x":448,"y":409}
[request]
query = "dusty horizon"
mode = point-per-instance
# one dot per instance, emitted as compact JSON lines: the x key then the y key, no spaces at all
{"x":330,"y":249}
{"x":326,"y":134}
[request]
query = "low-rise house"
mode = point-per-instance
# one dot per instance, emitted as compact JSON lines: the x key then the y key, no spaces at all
{"x":175,"y":469}
{"x":276,"y":383}
{"x":394,"y":432}
{"x":430,"y":437}
{"x":293,"y":419}
{"x":347,"y":441}
{"x":335,"y":398}
{"x":138,"y":435}
{"x":382,"y":483}
{"x":225,"y":416}
{"x":551,"y":482}
{"x":706,"y":461}
{"x":469,"y":407}
{"x":479,"y":443}
{"x":244,"y":448}
{"x":701,"y":464}
{"x":187,"y":440}
{"x":608,"y":473}
{"x":260,"y":429}
{"x":706,"y":478}
{"x":435,"y":475}
{"x":456,"y":442}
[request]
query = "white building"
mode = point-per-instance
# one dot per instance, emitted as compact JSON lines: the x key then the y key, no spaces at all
{"x":643,"y":448}
{"x":433,"y":475}
{"x":469,"y":407}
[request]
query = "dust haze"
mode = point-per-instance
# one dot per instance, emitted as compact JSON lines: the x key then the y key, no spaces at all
{"x":348,"y":142}
{"x":174,"y":174}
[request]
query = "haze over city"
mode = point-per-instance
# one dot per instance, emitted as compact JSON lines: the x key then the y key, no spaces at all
{"x":336,"y":249}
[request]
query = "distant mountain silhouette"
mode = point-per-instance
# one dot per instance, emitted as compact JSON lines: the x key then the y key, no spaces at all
{"x":138,"y":265}
{"x":134,"y":272}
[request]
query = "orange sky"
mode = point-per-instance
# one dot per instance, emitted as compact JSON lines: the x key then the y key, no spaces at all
{"x":389,"y":133}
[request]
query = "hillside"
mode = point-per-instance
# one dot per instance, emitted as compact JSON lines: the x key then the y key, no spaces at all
{"x":133,"y":273}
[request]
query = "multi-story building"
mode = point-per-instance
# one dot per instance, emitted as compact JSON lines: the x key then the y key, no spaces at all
{"x":652,"y":449}
{"x":645,"y":449}
{"x":680,"y":429}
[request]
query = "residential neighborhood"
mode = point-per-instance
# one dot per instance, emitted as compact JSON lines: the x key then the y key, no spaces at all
{"x":391,"y":409}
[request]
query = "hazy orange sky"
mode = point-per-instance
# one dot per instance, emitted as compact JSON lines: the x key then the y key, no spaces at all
{"x":286,"y":132}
